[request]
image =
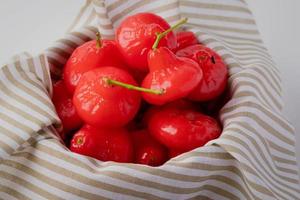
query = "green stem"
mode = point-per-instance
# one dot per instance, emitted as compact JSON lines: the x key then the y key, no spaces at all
{"x":133,"y":87}
{"x":159,"y":36}
{"x":98,"y":40}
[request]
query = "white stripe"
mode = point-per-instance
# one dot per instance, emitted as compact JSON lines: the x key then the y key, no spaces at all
{"x":3,"y":154}
{"x":221,"y":2}
{"x":24,"y":135}
{"x":270,"y":177}
{"x":19,"y":79}
{"x":7,"y":140}
{"x":65,"y":180}
{"x":37,"y":183}
{"x":124,"y":170}
{"x":19,"y":118}
{"x":23,"y":107}
{"x":6,"y":195}
{"x":19,"y":188}
{"x":270,"y":164}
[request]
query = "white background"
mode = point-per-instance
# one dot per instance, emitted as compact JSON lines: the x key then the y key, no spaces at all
{"x":33,"y":25}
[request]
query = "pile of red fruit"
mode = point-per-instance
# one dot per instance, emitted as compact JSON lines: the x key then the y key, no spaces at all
{"x":144,"y":97}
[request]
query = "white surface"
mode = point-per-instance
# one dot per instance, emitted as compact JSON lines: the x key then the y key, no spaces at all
{"x":32,"y":25}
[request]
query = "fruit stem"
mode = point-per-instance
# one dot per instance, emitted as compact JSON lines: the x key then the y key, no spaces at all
{"x":159,"y":36}
{"x":133,"y":87}
{"x":98,"y":40}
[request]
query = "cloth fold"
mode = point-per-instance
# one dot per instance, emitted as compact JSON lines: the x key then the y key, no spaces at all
{"x":253,"y":159}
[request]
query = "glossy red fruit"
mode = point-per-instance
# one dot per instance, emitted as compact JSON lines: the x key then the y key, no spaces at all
{"x":147,"y":150}
{"x":175,"y":152}
{"x":215,"y":73}
{"x":65,"y":108}
{"x":175,"y":76}
{"x":183,"y":129}
{"x":136,"y":35}
{"x":103,"y":144}
{"x":90,"y":55}
{"x":185,"y":39}
{"x":101,"y":104}
{"x":180,"y":104}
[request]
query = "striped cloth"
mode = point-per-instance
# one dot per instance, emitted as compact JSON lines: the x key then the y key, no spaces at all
{"x":253,"y":159}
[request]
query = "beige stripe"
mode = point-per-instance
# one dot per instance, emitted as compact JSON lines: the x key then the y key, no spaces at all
{"x":156,"y":172}
{"x":291,"y":171}
{"x":91,"y":29}
{"x":238,"y":85}
{"x":115,"y":5}
{"x":32,"y":69}
{"x":5,"y":147}
{"x":250,"y":60}
{"x":222,"y":37}
{"x":79,"y":163}
{"x":236,"y":46}
{"x":226,"y":29}
{"x":46,"y":75}
{"x":252,"y":76}
{"x":102,"y":15}
{"x":19,"y":85}
{"x":250,"y":94}
{"x":251,"y":129}
{"x":209,"y":167}
{"x":233,"y":149}
{"x":106,"y":27}
{"x":32,"y":172}
{"x":75,"y":176}
{"x":128,"y":178}
{"x":137,"y":5}
{"x":272,"y":69}
{"x":233,"y":45}
{"x":283,"y":160}
{"x":68,"y":42}
{"x":241,"y":54}
{"x":281,"y":148}
{"x":219,"y":18}
{"x":269,"y":170}
{"x":99,"y":3}
{"x":26,"y":183}
{"x":243,"y":51}
{"x":263,"y":124}
{"x":31,"y":66}
{"x":15,"y":123}
{"x":166,"y":7}
{"x":8,"y":133}
{"x":20,"y":99}
{"x":270,"y":191}
{"x":81,"y":35}
{"x":80,"y":14}
{"x":279,"y":121}
{"x":20,"y":112}
{"x":200,"y":197}
{"x":221,"y":192}
{"x":13,"y":192}
{"x":274,"y":80}
{"x":59,"y":51}
{"x":223,"y":156}
{"x":262,"y":94}
{"x":221,"y":7}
